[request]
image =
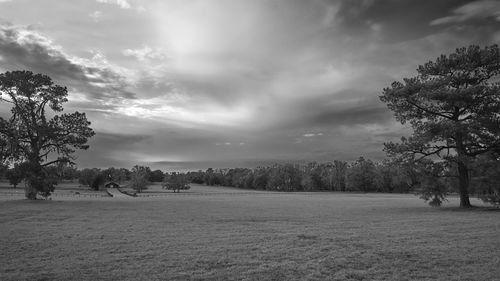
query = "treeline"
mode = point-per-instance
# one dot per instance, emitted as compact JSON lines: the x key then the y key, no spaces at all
{"x":137,"y":178}
{"x":432,"y":180}
{"x":362,"y":175}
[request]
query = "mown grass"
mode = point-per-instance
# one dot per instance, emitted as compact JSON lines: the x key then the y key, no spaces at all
{"x":226,"y":235}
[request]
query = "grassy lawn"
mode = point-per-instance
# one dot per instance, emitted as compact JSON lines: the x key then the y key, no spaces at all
{"x":228,"y":234}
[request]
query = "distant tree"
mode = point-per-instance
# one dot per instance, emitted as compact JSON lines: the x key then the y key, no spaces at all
{"x":87,"y":176}
{"x":260,"y":178}
{"x":285,"y":177}
{"x":98,"y":180}
{"x":236,"y":177}
{"x":121,"y":175}
{"x":176,"y":182}
{"x":196,"y":177}
{"x":313,"y":178}
{"x":3,"y":170}
{"x":117,"y":175}
{"x":433,"y":181}
{"x":384,"y":178}
{"x":69,"y":172}
{"x":15,"y":175}
{"x":339,"y":175}
{"x":486,"y":177}
{"x":213,"y":177}
{"x":394,"y":176}
{"x":34,"y":135}
{"x":156,"y":176}
{"x":139,"y":178}
{"x":361,"y":176}
{"x":453,"y":107}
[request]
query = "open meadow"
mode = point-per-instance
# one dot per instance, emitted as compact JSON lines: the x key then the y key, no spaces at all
{"x":209,"y":233}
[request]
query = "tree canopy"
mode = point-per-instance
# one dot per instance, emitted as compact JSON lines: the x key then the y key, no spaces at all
{"x":35,"y":134}
{"x":453,"y":107}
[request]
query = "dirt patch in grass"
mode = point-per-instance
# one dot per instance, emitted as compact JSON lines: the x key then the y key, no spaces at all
{"x":250,"y":236}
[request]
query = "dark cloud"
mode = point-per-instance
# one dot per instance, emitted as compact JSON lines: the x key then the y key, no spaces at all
{"x":23,"y":48}
{"x":353,"y":116}
{"x":400,"y":20}
{"x":27,"y":52}
{"x":485,"y":11}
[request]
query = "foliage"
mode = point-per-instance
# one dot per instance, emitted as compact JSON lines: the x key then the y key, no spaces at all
{"x":139,"y":178}
{"x":117,"y":175}
{"x":67,"y":171}
{"x":15,"y":175}
{"x":176,"y":182}
{"x":284,"y":178}
{"x":97,"y":181}
{"x":432,"y":183}
{"x":3,"y":170}
{"x":196,"y":177}
{"x":86,"y":176}
{"x":156,"y":176}
{"x":362,"y":176}
{"x":486,"y":178}
{"x":35,"y":133}
{"x":453,"y":108}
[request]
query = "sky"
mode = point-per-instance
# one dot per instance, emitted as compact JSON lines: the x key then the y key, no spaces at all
{"x":192,"y":84}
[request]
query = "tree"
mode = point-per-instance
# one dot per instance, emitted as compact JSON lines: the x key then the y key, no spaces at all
{"x":87,"y":176}
{"x":486,"y":176}
{"x":156,"y":176}
{"x":139,"y":177}
{"x":361,"y":176}
{"x":35,"y":135}
{"x":176,"y":182}
{"x":3,"y":169}
{"x":339,"y":175}
{"x":15,"y":175}
{"x":285,"y":177}
{"x":97,"y":181}
{"x":453,"y":107}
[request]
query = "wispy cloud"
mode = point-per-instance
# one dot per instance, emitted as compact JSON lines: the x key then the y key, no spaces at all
{"x":475,"y":10}
{"x":124,"y":4}
{"x":146,"y":53}
{"x":96,"y":15}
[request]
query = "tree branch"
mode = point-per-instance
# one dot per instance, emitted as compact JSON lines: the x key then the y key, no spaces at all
{"x":429,"y":111}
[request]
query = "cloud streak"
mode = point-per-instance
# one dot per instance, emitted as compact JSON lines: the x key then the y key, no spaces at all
{"x":475,"y":10}
{"x":124,"y":4}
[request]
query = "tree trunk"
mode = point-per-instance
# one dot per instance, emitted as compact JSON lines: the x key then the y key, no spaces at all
{"x":463,"y":185}
{"x":29,"y":191}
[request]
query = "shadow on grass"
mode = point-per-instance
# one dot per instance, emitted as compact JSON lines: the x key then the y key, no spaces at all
{"x":471,"y":209}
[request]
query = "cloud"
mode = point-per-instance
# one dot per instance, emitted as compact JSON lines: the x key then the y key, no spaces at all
{"x":26,"y":48}
{"x":310,"y":135}
{"x":470,"y":11}
{"x":121,"y":3}
{"x":146,"y":54}
{"x":96,"y":15}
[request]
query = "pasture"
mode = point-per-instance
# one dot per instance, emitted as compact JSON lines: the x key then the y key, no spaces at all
{"x":210,"y":233}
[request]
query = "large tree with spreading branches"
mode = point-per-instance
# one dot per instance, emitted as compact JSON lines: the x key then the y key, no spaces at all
{"x":453,"y":107}
{"x":35,"y":134}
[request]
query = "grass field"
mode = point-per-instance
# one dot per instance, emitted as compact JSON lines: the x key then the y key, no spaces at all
{"x":229,"y":234}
